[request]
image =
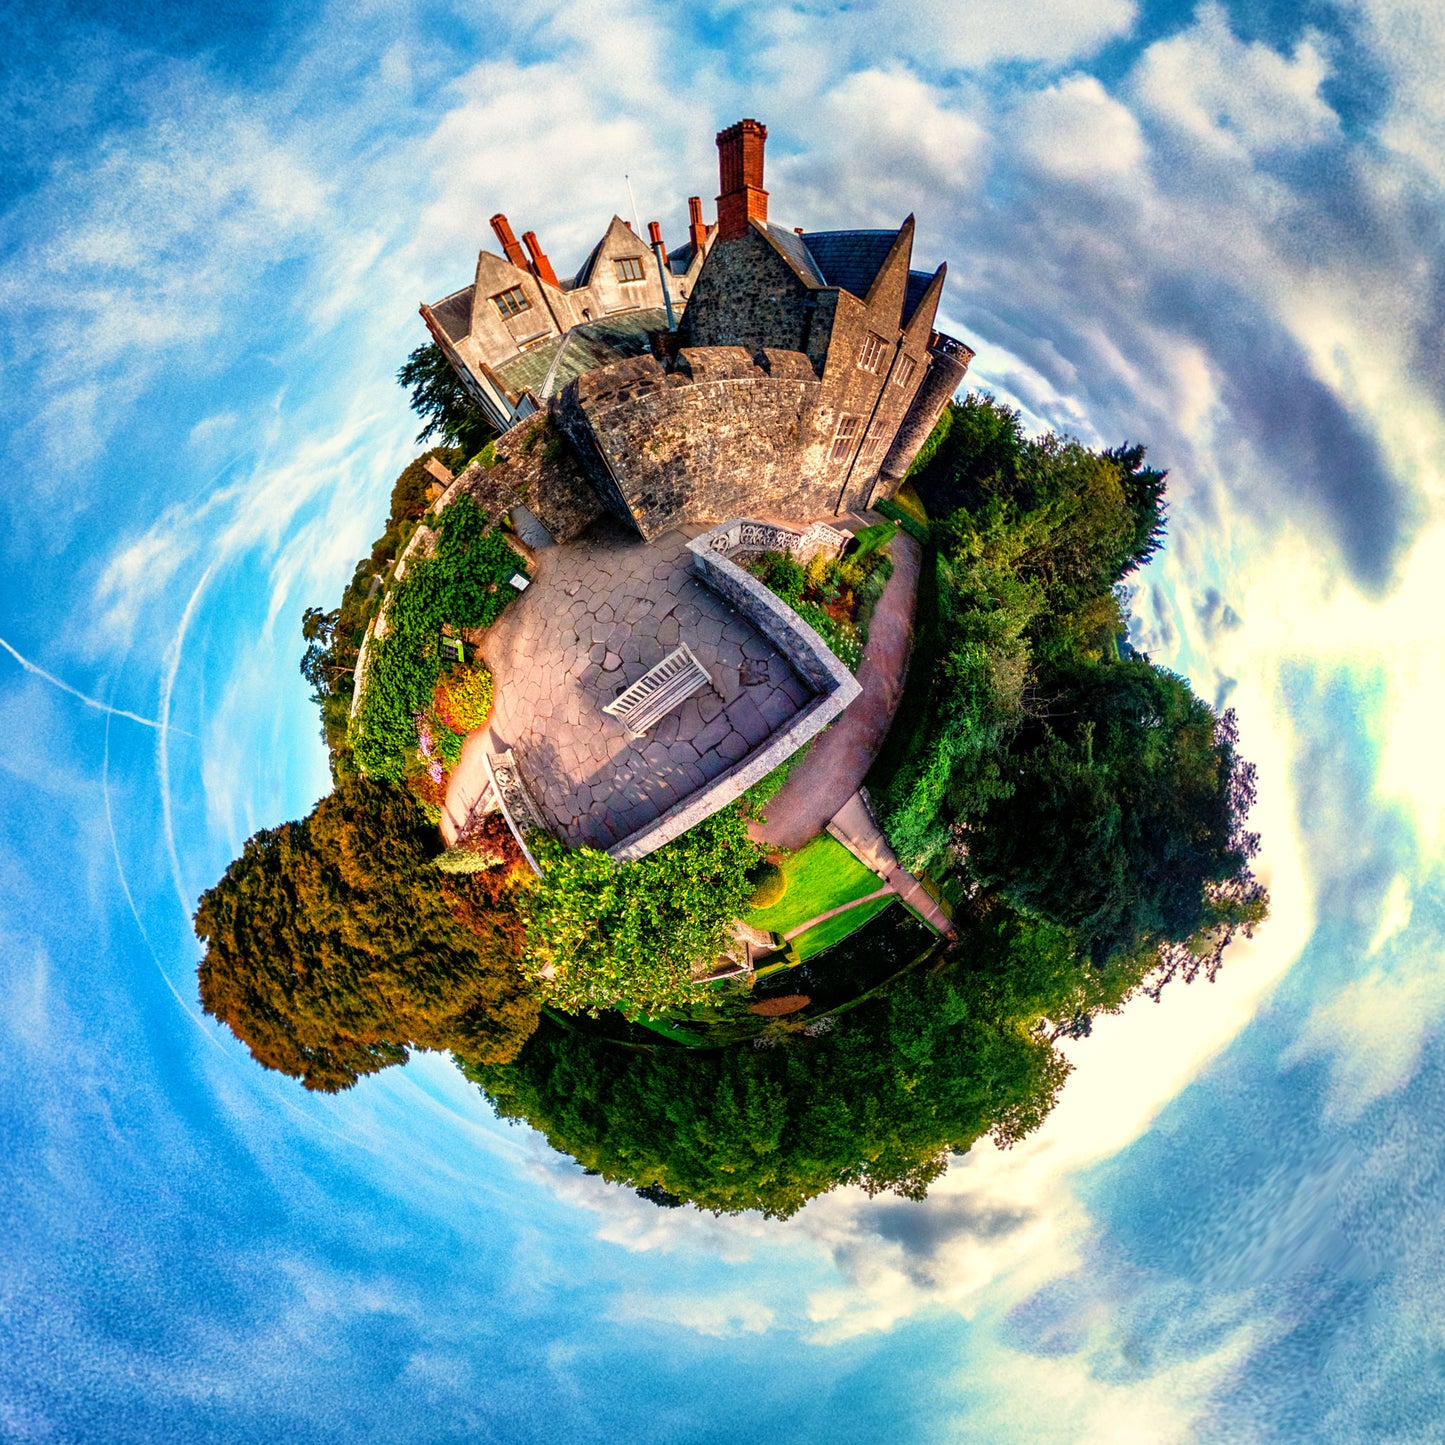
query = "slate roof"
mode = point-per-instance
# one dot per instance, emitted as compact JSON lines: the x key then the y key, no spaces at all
{"x":792,"y":246}
{"x":679,"y":260}
{"x":850,"y":259}
{"x":454,"y":315}
{"x":589,"y":346}
{"x":917,"y":285}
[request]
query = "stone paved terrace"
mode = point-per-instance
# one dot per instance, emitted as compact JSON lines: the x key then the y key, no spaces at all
{"x":600,"y":611}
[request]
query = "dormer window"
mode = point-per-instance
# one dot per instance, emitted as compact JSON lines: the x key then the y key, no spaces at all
{"x":511,"y":302}
{"x":906,"y":367}
{"x":871,"y":357}
{"x":629,"y":268}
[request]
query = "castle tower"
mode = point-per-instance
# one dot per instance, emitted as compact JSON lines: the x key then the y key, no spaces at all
{"x":740,"y":172}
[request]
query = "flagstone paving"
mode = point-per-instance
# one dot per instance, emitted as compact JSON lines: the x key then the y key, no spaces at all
{"x":599,"y":613}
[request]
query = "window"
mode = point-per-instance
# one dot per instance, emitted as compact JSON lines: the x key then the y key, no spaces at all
{"x":843,"y":441}
{"x":629,"y":268}
{"x":873,"y":442}
{"x":512,"y":302}
{"x":906,"y":367}
{"x":872,"y":353}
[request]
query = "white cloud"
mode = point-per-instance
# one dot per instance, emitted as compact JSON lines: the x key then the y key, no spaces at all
{"x":719,"y":1316}
{"x":1077,"y":131}
{"x":989,"y":32}
{"x":1237,"y":98}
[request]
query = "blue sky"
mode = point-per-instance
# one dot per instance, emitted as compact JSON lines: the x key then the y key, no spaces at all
{"x":1211,"y":228}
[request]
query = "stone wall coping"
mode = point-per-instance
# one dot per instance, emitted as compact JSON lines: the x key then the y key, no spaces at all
{"x":834,"y":685}
{"x":798,"y":642}
{"x":728,"y":787}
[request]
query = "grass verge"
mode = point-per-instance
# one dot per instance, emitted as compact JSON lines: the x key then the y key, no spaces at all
{"x":821,"y":875}
{"x":838,"y":927}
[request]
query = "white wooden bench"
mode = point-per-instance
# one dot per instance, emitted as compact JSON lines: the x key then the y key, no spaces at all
{"x":659,"y":691}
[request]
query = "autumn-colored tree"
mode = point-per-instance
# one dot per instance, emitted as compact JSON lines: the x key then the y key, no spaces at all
{"x":333,"y":945}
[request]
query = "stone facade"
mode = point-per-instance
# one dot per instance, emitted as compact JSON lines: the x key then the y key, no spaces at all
{"x":516,"y":302}
{"x":799,"y":382}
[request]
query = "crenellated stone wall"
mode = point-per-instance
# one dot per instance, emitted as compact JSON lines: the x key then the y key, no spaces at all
{"x":721,"y":434}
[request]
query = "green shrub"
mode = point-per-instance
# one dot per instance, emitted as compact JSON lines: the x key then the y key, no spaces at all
{"x":463,"y":860}
{"x":603,"y":934}
{"x":910,"y":524}
{"x":872,"y":539}
{"x":465,"y":584}
{"x":770,"y":885}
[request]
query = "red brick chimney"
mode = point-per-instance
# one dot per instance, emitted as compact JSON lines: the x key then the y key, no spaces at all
{"x":541,"y":266}
{"x":740,"y":170}
{"x":509,"y":242}
{"x":697,"y":227}
{"x":654,"y":235}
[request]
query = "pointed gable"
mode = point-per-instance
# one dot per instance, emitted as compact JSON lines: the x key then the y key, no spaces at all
{"x":618,"y":239}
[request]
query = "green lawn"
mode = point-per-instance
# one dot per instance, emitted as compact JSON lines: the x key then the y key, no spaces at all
{"x":821,"y":875}
{"x":838,"y":927}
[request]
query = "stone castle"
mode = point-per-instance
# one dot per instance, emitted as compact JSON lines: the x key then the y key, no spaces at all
{"x":756,"y":370}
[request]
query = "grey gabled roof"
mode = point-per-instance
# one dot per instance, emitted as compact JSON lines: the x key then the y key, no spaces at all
{"x":454,"y":314}
{"x":850,"y":259}
{"x":918,"y":283}
{"x":792,"y":245}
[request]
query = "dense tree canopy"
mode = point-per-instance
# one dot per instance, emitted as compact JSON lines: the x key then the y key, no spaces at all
{"x":1128,"y":805}
{"x":928,"y":1066}
{"x":333,"y":945}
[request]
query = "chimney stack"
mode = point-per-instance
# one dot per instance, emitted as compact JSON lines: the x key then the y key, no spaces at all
{"x":740,"y":171}
{"x":654,"y":234}
{"x":541,"y":266}
{"x":509,"y":242}
{"x":697,"y":227}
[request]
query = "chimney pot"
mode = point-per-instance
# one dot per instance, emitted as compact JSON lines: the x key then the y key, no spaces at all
{"x":696,"y":227}
{"x":740,"y":174}
{"x":510,"y":247}
{"x":541,"y":266}
{"x":654,"y":235}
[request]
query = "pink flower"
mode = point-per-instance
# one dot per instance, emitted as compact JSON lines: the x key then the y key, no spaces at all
{"x":434,"y":772}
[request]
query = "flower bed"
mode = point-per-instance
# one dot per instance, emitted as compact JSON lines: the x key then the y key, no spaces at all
{"x":835,"y":596}
{"x":411,"y":712}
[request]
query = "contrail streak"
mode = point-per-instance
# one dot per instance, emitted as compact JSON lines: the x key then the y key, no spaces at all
{"x":89,"y":701}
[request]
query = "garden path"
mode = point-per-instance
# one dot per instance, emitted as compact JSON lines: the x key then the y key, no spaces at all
{"x":824,"y":781}
{"x":855,"y":827}
{"x":802,"y":928}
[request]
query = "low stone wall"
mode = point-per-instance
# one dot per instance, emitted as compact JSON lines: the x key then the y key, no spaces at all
{"x":798,"y":642}
{"x":728,"y":787}
{"x":806,"y":652}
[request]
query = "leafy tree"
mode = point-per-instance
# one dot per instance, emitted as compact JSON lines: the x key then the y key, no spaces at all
{"x":603,"y":934}
{"x":1128,"y":809}
{"x":880,"y":1101}
{"x":443,"y":403}
{"x":333,"y":945}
